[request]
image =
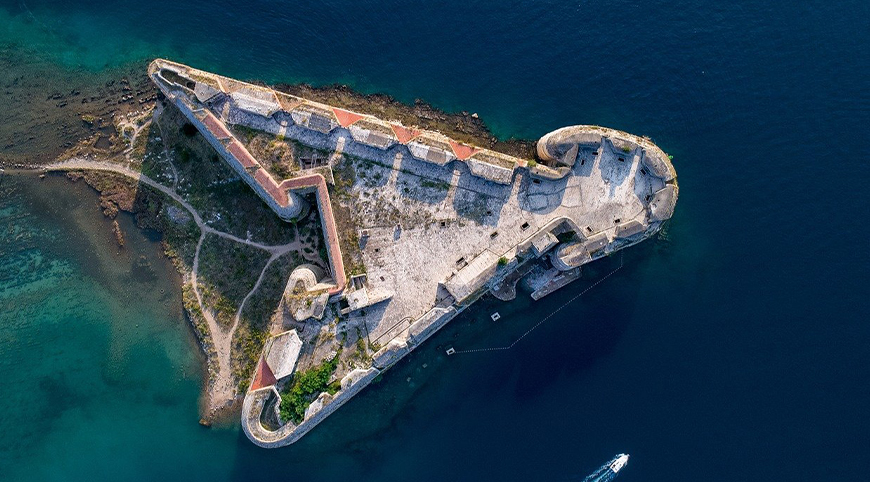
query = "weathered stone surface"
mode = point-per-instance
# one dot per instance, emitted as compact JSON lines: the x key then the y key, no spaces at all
{"x":356,"y":377}
{"x":629,"y":229}
{"x":390,"y":354}
{"x":429,"y":323}
{"x":662,"y":204}
{"x":473,"y":276}
{"x":570,"y":255}
{"x":543,"y":242}
{"x":282,"y":351}
{"x":490,"y":172}
{"x":657,"y":165}
{"x":622,"y":146}
{"x":306,"y":294}
{"x":317,"y":405}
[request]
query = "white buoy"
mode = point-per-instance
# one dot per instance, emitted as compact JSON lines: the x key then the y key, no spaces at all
{"x":495,"y":316}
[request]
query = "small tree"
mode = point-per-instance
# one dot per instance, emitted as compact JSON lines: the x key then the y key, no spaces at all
{"x":502,"y":261}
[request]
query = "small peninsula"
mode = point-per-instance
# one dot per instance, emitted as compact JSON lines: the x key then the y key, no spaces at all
{"x":322,"y":240}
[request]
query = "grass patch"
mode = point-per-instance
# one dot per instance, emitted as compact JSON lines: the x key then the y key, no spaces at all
{"x":360,"y":355}
{"x":343,"y":199}
{"x":225,"y":201}
{"x":443,"y":186}
{"x":247,"y":346}
{"x":141,"y":144}
{"x":304,"y":387}
{"x":255,"y":320}
{"x":227,"y":272}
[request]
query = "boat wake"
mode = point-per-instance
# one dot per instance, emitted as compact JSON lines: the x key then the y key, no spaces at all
{"x":609,"y":470}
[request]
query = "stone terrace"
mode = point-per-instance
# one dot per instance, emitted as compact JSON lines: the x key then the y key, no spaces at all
{"x":444,"y":218}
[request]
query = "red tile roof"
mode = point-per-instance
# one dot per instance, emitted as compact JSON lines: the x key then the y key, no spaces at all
{"x":242,"y":155}
{"x":325,"y":207}
{"x":263,"y":376}
{"x":462,"y":151}
{"x":403,"y":133}
{"x":346,"y":118}
{"x":266,"y":181}
{"x":215,"y":126}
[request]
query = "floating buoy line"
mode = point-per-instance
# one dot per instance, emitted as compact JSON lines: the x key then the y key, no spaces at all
{"x":453,"y":351}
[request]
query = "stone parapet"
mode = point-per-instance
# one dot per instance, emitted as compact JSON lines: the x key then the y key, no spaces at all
{"x":257,"y":107}
{"x":661,"y":207}
{"x":252,"y":409}
{"x":429,"y":323}
{"x":557,"y":144}
{"x":390,"y":354}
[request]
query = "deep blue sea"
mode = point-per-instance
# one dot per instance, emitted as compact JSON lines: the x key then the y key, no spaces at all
{"x":736,"y":346}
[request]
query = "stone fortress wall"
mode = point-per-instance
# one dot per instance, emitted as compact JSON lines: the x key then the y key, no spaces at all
{"x":209,"y":100}
{"x":284,"y":198}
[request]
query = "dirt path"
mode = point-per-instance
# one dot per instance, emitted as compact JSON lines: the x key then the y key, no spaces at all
{"x":155,"y":119}
{"x":223,"y":390}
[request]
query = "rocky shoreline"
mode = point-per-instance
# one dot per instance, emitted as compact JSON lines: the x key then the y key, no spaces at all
{"x":462,"y":126}
{"x":50,"y":109}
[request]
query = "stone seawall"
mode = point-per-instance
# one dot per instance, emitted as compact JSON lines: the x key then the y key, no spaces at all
{"x":282,"y":198}
{"x":254,"y":402}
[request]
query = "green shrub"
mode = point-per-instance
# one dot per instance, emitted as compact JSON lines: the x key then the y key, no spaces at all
{"x":502,"y":261}
{"x":305,"y":387}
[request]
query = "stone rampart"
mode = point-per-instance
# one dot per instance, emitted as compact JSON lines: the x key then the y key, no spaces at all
{"x":257,"y":107}
{"x":390,"y":354}
{"x":252,"y":409}
{"x":556,"y":144}
{"x":428,"y":324}
{"x":284,"y":199}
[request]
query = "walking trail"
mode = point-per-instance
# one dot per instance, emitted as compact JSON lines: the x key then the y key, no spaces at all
{"x":222,"y":389}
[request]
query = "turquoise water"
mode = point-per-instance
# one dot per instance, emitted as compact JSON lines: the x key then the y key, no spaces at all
{"x":94,"y":345}
{"x":734,"y":347}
